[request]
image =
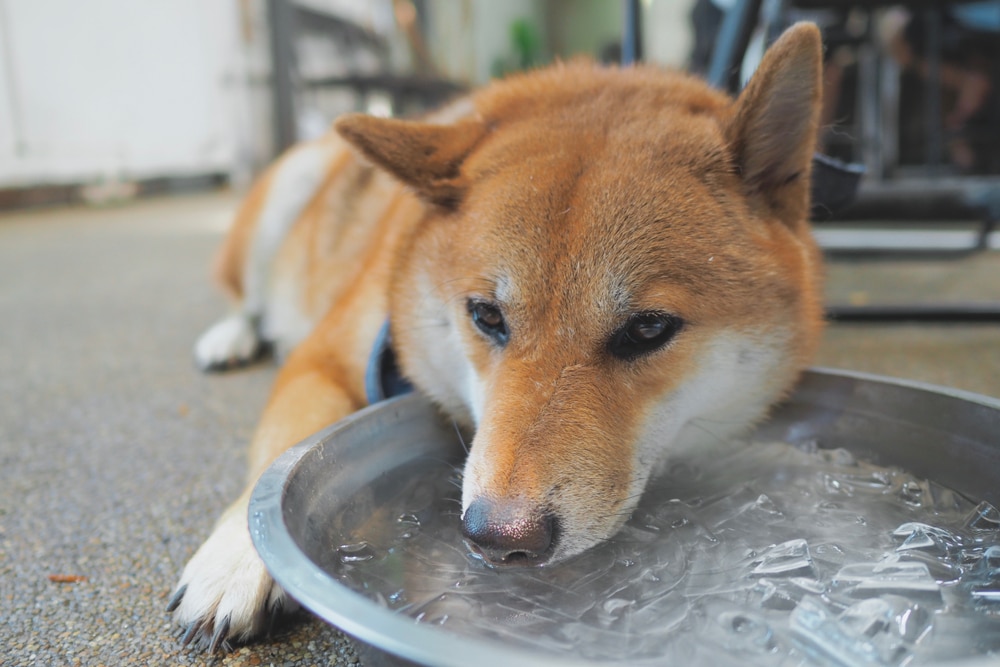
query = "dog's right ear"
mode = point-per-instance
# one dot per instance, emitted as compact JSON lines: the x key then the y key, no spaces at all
{"x":773,"y":131}
{"x":425,"y":156}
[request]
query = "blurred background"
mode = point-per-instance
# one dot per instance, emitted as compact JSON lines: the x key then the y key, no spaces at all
{"x":112,"y":101}
{"x":141,"y":96}
{"x":120,"y":91}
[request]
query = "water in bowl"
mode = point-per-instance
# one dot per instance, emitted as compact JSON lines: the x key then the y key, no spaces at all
{"x":769,"y":554}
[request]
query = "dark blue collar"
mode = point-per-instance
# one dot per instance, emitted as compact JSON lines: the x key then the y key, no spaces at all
{"x":382,"y":377}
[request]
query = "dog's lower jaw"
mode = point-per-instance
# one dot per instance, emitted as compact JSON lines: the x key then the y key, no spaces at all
{"x":225,"y":595}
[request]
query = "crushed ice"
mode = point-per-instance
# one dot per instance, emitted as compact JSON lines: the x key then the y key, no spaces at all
{"x":769,"y":554}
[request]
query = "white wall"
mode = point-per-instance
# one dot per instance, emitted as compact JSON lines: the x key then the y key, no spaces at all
{"x":119,"y":89}
{"x":667,"y":32}
{"x":467,"y":36}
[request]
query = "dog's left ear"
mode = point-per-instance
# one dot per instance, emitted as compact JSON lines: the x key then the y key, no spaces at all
{"x":773,"y":131}
{"x":425,"y":156}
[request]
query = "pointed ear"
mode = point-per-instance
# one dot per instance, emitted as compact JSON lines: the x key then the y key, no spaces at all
{"x":773,"y":131}
{"x":425,"y":156}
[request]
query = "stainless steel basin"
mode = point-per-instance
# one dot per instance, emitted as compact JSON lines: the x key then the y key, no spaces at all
{"x":948,"y":436}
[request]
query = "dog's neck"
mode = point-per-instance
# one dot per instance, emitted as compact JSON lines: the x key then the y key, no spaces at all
{"x":383,"y":378}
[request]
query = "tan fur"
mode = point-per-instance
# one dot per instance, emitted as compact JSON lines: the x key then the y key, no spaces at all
{"x":572,"y":198}
{"x":227,"y":270}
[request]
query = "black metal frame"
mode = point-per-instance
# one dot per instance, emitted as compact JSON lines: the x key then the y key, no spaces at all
{"x":281,"y":30}
{"x":731,"y":44}
{"x":285,"y":20}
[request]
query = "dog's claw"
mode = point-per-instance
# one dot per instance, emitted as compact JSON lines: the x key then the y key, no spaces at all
{"x":219,"y":636}
{"x":175,"y":601}
{"x":192,"y":631}
{"x":276,"y":610}
{"x":225,"y":595}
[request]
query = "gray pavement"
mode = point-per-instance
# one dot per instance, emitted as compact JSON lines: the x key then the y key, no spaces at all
{"x":116,"y":455}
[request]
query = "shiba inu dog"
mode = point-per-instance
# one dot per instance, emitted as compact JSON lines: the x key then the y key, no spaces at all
{"x":579,"y":262}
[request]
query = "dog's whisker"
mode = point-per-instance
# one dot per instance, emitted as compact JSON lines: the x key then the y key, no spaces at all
{"x":461,"y":439}
{"x":703,"y":426}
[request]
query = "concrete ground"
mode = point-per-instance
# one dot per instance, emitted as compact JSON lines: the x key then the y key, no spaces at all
{"x":116,"y":455}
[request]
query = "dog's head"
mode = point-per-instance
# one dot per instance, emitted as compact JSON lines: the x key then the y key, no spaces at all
{"x":609,"y":256}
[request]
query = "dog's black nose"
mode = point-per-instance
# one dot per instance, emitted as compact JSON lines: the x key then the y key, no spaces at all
{"x":509,"y":532}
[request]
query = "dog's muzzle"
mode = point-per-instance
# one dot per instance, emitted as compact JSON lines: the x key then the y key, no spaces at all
{"x":509,"y":532}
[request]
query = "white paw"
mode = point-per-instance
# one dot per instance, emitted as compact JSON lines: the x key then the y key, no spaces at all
{"x":225,"y":594}
{"x":227,"y":343}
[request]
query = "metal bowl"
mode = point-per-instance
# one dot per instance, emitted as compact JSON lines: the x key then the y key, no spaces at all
{"x":948,"y":436}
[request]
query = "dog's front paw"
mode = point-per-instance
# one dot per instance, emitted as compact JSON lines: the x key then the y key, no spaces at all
{"x":225,"y":594}
{"x":228,"y":343}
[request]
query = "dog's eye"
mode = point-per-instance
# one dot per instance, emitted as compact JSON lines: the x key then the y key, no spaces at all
{"x":489,"y":318}
{"x":643,"y":333}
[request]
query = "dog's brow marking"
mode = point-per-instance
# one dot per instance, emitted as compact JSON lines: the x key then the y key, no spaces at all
{"x":504,"y":290}
{"x":620,"y":295}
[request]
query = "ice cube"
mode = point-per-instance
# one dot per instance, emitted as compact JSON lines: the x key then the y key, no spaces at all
{"x":808,"y":585}
{"x":988,"y":593}
{"x":868,"y":617}
{"x":863,"y":482}
{"x":746,"y":631}
{"x":773,"y":596}
{"x":985,"y":517}
{"x":889,"y":575}
{"x":766,"y":505}
{"x":791,"y":557}
{"x":983,"y":582}
{"x":942,"y":569}
{"x":927,"y":538}
{"x":821,"y":633}
{"x":441,"y":608}
{"x":356,"y":553}
{"x":991,"y":558}
{"x":912,"y":620}
{"x":886,"y":623}
{"x":784,"y":594}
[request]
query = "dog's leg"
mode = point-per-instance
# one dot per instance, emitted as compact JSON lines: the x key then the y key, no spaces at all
{"x":225,"y":593}
{"x":231,"y":342}
{"x":244,"y":264}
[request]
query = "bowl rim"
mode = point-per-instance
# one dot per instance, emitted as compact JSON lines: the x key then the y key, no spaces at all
{"x":397,"y":634}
